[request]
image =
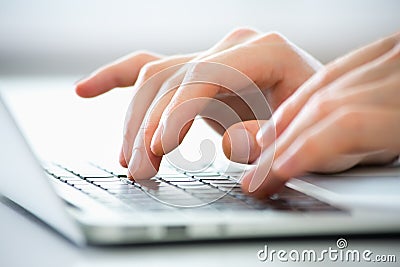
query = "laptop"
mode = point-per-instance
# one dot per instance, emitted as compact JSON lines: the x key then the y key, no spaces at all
{"x":95,"y":203}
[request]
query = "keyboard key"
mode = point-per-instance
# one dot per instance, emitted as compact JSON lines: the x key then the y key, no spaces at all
{"x":235,"y":175}
{"x":204,"y":174}
{"x":59,"y":172}
{"x":223,"y":182}
{"x":70,"y":179}
{"x":212,"y":178}
{"x":116,"y":186}
{"x":101,"y":180}
{"x":79,"y":182}
{"x":171,"y":175}
{"x":178,"y":179}
{"x":87,"y":170}
{"x":203,"y":187}
{"x":188,"y":184}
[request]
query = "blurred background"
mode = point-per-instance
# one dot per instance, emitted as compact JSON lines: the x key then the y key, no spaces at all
{"x":45,"y":37}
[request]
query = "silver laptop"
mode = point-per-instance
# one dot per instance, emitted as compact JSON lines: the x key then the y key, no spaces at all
{"x":92,"y":203}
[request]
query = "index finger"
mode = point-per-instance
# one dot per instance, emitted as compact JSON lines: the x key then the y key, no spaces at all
{"x":121,"y":73}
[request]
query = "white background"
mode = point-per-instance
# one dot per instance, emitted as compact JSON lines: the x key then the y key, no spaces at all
{"x":75,"y":36}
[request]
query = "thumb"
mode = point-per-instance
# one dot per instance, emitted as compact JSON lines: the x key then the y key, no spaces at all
{"x":239,"y":141}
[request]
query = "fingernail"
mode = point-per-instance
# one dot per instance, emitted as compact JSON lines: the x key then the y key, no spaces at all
{"x":156,"y":145}
{"x":262,"y":170}
{"x":266,"y":135}
{"x":242,"y":144}
{"x":135,"y":161}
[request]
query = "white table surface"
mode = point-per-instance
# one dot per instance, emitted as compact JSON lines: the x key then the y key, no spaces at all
{"x":26,"y":242}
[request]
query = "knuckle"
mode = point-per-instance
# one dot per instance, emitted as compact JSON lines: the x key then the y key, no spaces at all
{"x":148,"y":131}
{"x":149,"y":126}
{"x":112,"y":72}
{"x":328,"y":73}
{"x":350,"y":123}
{"x":199,"y":67}
{"x":395,"y":53}
{"x":144,"y":55}
{"x":232,"y":39}
{"x":397,"y":36}
{"x":240,"y":33}
{"x":349,"y":119}
{"x":197,"y":70}
{"x":310,"y":145}
{"x":271,"y":37}
{"x":321,"y":104}
{"x":169,"y":85}
{"x":276,"y":36}
{"x":150,"y":69}
{"x":391,"y":45}
{"x":392,"y":40}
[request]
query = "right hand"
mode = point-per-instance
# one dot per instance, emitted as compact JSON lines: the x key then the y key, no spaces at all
{"x":276,"y":66}
{"x":347,"y":114}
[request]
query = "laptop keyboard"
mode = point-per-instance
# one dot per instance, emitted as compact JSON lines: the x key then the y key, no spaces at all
{"x":209,"y":190}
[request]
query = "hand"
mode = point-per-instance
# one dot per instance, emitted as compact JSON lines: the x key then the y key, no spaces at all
{"x":348,"y":113}
{"x":276,"y":66}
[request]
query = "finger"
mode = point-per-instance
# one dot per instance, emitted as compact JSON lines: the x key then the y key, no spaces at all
{"x":121,"y":73}
{"x":239,"y":143}
{"x":261,"y":181}
{"x":148,"y":168}
{"x":333,"y":144}
{"x":350,"y":131}
{"x":329,"y":156}
{"x":291,"y":107}
{"x":232,"y":39}
{"x":203,"y":81}
{"x":381,"y":92}
{"x":143,"y":163}
{"x":376,"y":85}
{"x":147,"y":86}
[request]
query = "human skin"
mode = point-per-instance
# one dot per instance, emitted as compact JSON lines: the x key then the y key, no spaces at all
{"x":325,"y":118}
